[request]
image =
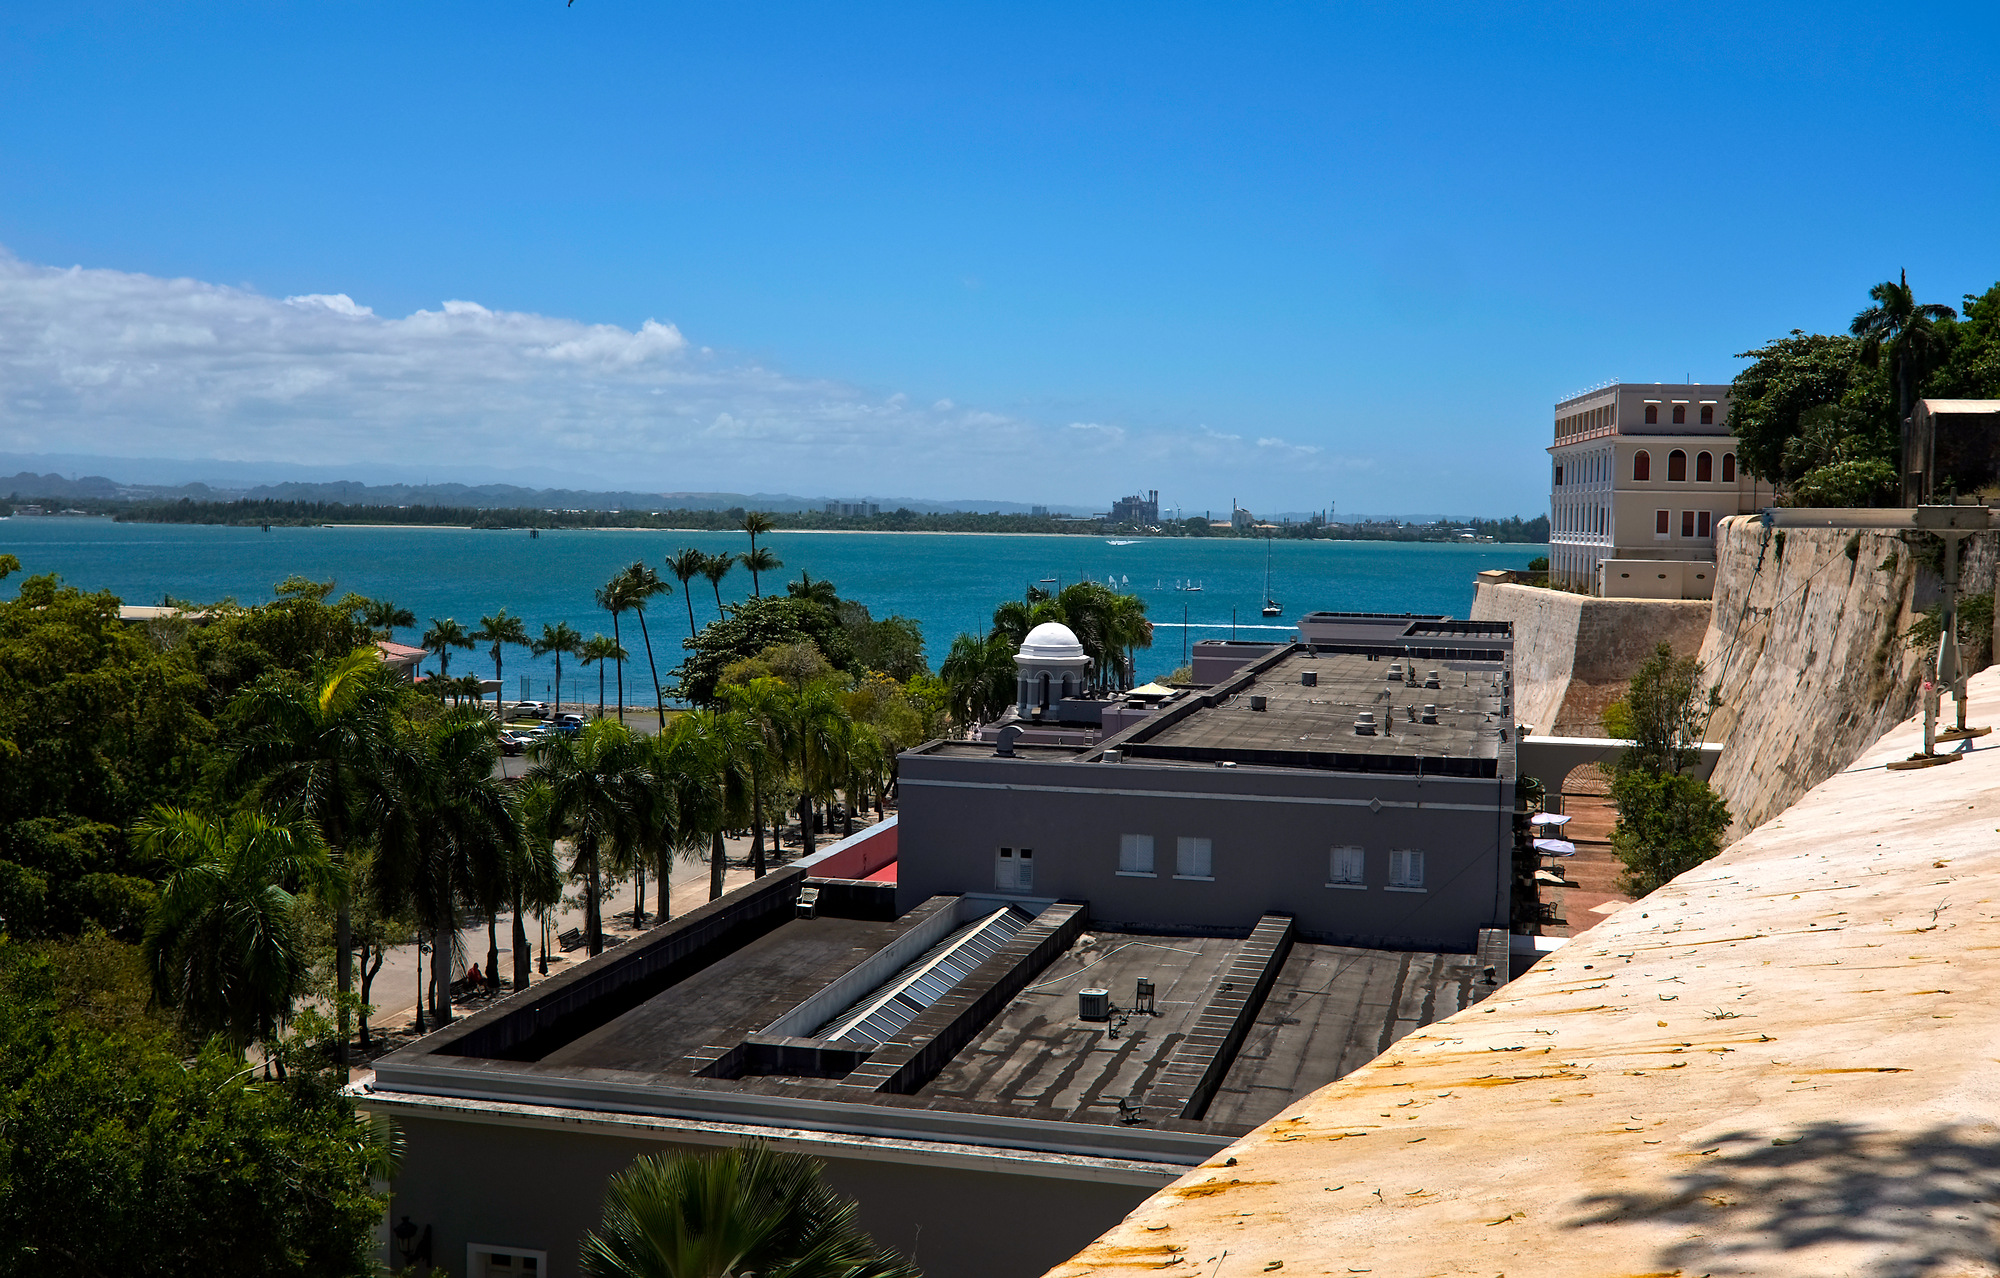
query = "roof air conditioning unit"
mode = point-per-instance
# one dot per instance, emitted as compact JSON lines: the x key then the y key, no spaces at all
{"x":1093,"y":1005}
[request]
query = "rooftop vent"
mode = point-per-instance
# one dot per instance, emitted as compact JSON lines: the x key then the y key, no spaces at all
{"x":1430,"y":714}
{"x":1258,"y":703}
{"x":1431,"y":680}
{"x":1114,"y":756}
{"x":1364,"y":724}
{"x":1309,"y":678}
{"x":1004,"y":747}
{"x":1395,"y":672}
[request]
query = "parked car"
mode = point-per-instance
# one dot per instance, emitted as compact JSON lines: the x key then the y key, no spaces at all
{"x":531,"y":710}
{"x":512,"y":743}
{"x":569,"y":723}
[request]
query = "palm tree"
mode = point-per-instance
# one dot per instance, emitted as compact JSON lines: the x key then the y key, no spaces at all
{"x":980,"y":672}
{"x":811,"y":727}
{"x":756,"y":704}
{"x":615,"y":596}
{"x":536,"y":879}
{"x":820,"y":592}
{"x":759,"y":560}
{"x":451,"y":838}
{"x":595,"y":651}
{"x":562,"y":640}
{"x":1909,"y":330}
{"x":711,"y":756}
{"x":598,"y":783}
{"x":715,"y":568}
{"x":1127,"y":631}
{"x":325,"y":749}
{"x":497,"y":630}
{"x":444,"y":635}
{"x":384,"y":616}
{"x":686,"y":564}
{"x":732,"y":1211}
{"x":224,"y":945}
{"x":641,"y":584}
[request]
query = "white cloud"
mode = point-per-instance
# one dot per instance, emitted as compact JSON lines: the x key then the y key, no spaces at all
{"x":122,"y":364}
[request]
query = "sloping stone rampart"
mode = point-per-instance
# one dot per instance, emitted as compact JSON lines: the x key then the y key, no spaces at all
{"x":1574,"y":654}
{"x":1807,"y":649}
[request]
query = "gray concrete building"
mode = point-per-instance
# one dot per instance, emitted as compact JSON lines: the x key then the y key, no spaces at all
{"x":1360,"y":780}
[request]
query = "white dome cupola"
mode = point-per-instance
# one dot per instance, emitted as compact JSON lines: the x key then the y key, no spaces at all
{"x":1050,"y":665}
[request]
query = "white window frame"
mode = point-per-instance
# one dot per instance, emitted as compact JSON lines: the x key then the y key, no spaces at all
{"x":1347,"y":867}
{"x":1406,"y":870}
{"x":1019,"y":864}
{"x":1135,"y":856}
{"x":1194,"y":859}
{"x":473,"y":1252}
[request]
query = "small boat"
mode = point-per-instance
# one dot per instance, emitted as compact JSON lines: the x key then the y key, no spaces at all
{"x":1109,"y":542}
{"x":1047,"y":580}
{"x":1271,"y":606}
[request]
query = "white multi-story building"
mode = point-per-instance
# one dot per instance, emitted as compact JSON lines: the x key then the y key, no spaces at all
{"x":1640,"y":475}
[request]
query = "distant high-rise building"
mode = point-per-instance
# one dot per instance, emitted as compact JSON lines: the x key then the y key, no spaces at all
{"x":1139,"y":508}
{"x":853,"y":509}
{"x":1039,"y":512}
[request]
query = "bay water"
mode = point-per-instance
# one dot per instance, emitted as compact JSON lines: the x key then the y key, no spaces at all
{"x":947,"y":582}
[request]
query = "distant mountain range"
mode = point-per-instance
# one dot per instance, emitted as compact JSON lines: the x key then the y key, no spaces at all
{"x":32,"y":485}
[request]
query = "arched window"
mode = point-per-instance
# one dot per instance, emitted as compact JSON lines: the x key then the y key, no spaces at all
{"x":1642,"y":465}
{"x":1729,"y":468}
{"x":1704,"y":467}
{"x":1677,"y":466}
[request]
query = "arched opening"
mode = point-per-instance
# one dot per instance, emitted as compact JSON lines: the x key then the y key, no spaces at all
{"x":1042,"y":690}
{"x":1642,"y":465}
{"x":1065,"y":684}
{"x":1704,"y":467}
{"x":1677,"y":466}
{"x":1729,"y":468}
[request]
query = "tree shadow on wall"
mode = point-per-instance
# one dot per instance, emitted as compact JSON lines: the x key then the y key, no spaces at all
{"x":1913,"y":1203}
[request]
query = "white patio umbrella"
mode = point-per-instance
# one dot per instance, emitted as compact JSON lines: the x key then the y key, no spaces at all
{"x":1555,"y":847}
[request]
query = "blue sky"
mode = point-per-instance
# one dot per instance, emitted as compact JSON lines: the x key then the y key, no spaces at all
{"x":1286,"y":253}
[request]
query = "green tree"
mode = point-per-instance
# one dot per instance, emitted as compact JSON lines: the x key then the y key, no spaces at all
{"x":615,"y":597}
{"x":1907,"y":330}
{"x":561,"y":640}
{"x":323,"y":748}
{"x":756,"y":705}
{"x":686,"y":564}
{"x":979,"y":670}
{"x":641,"y":585}
{"x":759,"y":561}
{"x":224,"y":946}
{"x":715,"y":568}
{"x":711,"y":756}
{"x":1669,"y":711}
{"x":596,"y":651}
{"x":598,"y":785}
{"x":119,"y":1156}
{"x":750,"y":627}
{"x":729,"y":1212}
{"x":1785,"y":378}
{"x":813,"y":735}
{"x":498,"y":630}
{"x":386,"y":617}
{"x":1667,"y":824}
{"x":820,"y":592}
{"x":444,"y":635}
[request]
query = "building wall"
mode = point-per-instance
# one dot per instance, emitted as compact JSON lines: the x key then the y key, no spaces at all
{"x":542,"y":1190}
{"x":1271,"y":831}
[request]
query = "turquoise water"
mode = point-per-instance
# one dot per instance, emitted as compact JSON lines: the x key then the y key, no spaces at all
{"x":948,"y":583}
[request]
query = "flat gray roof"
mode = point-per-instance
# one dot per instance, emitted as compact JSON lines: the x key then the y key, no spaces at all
{"x":1315,"y":726}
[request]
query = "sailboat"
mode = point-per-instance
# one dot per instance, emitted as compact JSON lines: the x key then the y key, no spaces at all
{"x":1271,"y":606}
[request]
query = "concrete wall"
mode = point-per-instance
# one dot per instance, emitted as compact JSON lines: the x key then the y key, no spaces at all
{"x":1272,"y":832}
{"x":1655,"y":579}
{"x":543,"y":1190}
{"x":1807,"y":650}
{"x":1573,"y":655}
{"x":854,"y":857}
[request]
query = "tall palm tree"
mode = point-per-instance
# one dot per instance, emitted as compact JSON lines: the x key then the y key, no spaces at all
{"x":596,"y":651}
{"x":326,"y":749}
{"x":715,"y":568}
{"x":756,"y":704}
{"x":1906,"y":327}
{"x":615,"y":596}
{"x":444,"y":635}
{"x":710,"y":755}
{"x":980,"y":673}
{"x":732,"y":1211}
{"x":642,"y":583}
{"x":498,"y":630}
{"x":811,"y":729}
{"x":224,"y":946}
{"x":384,"y":616}
{"x":562,"y":640}
{"x":536,"y":878}
{"x":1126,"y":631}
{"x":447,"y":843}
{"x":686,"y":564}
{"x":760,"y":560}
{"x":598,"y":783}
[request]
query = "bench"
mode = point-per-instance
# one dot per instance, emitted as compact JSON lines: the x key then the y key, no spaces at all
{"x":570,"y":940}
